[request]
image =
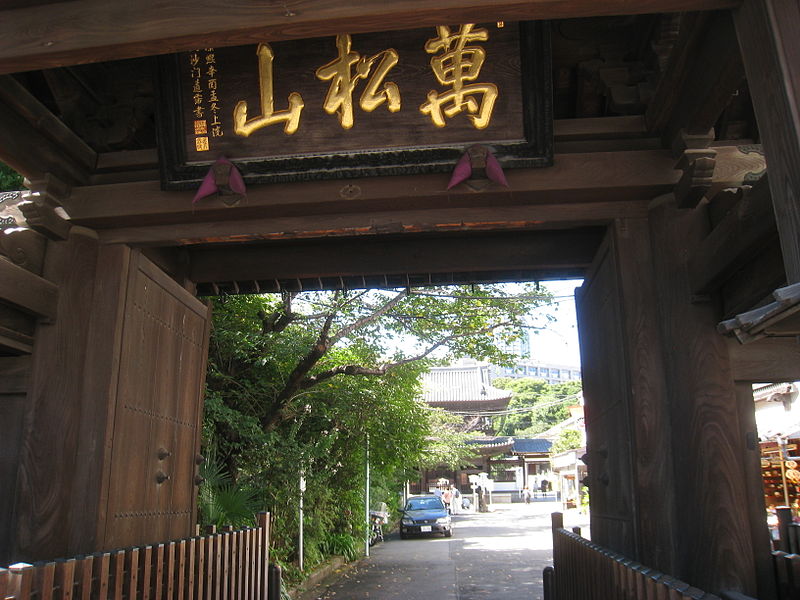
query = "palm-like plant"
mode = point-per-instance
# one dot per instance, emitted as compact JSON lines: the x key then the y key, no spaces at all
{"x":222,"y":501}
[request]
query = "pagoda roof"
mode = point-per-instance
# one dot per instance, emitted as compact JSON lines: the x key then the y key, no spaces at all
{"x":465,"y":385}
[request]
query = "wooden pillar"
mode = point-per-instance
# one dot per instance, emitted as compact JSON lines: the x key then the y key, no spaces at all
{"x":51,"y":434}
{"x":14,"y":377}
{"x":770,"y":44}
{"x":714,"y":548}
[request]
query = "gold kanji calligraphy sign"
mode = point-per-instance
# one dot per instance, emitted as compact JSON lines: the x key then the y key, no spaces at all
{"x":360,"y":104}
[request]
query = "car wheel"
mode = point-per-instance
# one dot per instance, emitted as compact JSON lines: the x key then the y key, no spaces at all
{"x":448,"y":533}
{"x":403,"y":535}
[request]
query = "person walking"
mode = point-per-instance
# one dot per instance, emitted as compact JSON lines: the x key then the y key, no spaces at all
{"x":455,"y":504}
{"x":447,"y":498}
{"x":526,"y":495}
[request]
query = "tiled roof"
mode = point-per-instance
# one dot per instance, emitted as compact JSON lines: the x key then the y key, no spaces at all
{"x":531,"y":445}
{"x":489,"y":441}
{"x":467,"y":383}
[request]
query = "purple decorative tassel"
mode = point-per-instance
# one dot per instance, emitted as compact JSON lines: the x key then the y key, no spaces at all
{"x":494,"y":171}
{"x":222,"y":178}
{"x":462,"y":172}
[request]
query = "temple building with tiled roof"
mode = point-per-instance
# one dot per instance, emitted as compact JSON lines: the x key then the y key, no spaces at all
{"x":465,"y":389}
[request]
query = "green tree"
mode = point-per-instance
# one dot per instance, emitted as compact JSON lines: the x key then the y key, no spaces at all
{"x":10,"y":180}
{"x":569,"y":439}
{"x":547,"y":404}
{"x":302,"y":383}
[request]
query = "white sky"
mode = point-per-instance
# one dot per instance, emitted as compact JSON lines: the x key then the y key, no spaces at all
{"x":558,"y":344}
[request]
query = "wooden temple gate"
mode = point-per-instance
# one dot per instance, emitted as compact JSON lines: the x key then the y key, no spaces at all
{"x":654,"y":193}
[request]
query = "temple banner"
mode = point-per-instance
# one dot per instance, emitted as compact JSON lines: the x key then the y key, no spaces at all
{"x":357,"y":105}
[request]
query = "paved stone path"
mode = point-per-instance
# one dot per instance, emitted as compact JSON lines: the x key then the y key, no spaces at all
{"x":498,"y":555}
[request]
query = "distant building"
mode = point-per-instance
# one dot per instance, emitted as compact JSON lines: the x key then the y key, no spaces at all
{"x":551,"y":373}
{"x":520,"y":346}
{"x":512,"y":463}
{"x":465,"y":387}
{"x":526,"y":366}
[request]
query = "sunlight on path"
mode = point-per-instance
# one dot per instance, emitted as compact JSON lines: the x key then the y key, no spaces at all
{"x":498,"y":555}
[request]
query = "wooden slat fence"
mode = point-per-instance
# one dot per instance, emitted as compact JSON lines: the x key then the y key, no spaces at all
{"x":787,"y":575}
{"x":225,"y":565}
{"x":587,"y":571}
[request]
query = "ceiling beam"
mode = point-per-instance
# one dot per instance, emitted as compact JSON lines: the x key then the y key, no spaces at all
{"x":574,"y":178}
{"x":704,"y":71}
{"x":35,"y":143}
{"x":767,"y":359}
{"x":366,"y":224}
{"x":81,"y":31}
{"x":746,"y":228}
{"x":523,"y":251}
{"x":767,"y":31}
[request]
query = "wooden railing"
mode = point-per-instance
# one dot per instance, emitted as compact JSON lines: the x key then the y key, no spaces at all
{"x":585,"y":570}
{"x":225,"y":565}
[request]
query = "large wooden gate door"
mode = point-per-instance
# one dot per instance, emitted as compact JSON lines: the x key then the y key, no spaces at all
{"x":627,"y":421}
{"x":607,"y":415}
{"x":151,"y":491}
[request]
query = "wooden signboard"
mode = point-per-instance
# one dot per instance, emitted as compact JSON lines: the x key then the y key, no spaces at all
{"x":356,"y":105}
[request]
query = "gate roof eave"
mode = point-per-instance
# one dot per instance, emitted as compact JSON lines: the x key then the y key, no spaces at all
{"x":55,"y":34}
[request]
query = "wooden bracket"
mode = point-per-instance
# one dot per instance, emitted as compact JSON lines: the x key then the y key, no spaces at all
{"x":42,"y":218}
{"x":684,"y":141}
{"x":698,"y":173}
{"x":51,"y":189}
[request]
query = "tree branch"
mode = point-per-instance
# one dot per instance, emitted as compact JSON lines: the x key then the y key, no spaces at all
{"x":376,"y":314}
{"x":279,"y":319}
{"x":295,"y":380}
{"x":383,"y":369}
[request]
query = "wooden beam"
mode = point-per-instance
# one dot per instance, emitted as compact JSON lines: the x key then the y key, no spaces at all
{"x":546,"y":216}
{"x":23,"y":289}
{"x":755,"y":281}
{"x":56,"y":35}
{"x":35,"y":142}
{"x":746,"y":229}
{"x":412,"y":254}
{"x":16,"y":97}
{"x":767,"y":31}
{"x":767,"y":359}
{"x":703,"y":73}
{"x":16,"y":374}
{"x":590,"y":177}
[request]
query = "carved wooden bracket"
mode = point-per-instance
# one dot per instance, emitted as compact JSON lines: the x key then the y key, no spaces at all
{"x":45,"y":220}
{"x":698,"y":173}
{"x":51,"y":189}
{"x":697,"y":161}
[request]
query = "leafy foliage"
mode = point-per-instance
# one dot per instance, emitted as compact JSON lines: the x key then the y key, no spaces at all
{"x":548,"y":403}
{"x":10,"y":180}
{"x":303,"y":384}
{"x":223,"y":502}
{"x":569,"y":439}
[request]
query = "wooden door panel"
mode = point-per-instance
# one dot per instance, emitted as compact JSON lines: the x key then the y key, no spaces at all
{"x":156,"y":427}
{"x":607,"y":406}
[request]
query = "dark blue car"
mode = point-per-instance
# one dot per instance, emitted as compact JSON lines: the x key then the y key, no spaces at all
{"x":425,"y":514}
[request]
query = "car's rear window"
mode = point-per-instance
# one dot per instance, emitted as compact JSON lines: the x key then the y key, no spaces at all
{"x":424,"y":504}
